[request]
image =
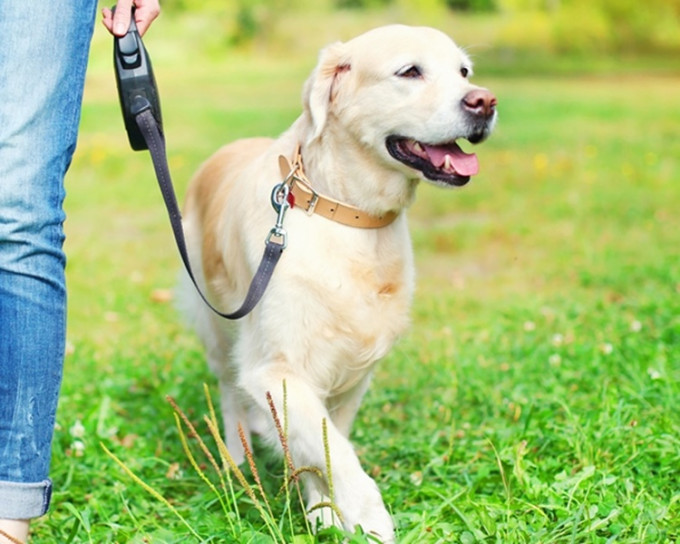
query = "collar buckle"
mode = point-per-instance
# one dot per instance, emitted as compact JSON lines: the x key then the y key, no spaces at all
{"x":312,"y":200}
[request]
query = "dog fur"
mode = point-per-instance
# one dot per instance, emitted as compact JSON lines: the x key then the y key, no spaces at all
{"x":340,"y":296}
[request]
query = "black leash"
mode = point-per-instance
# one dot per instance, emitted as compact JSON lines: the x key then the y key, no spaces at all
{"x":140,"y":104}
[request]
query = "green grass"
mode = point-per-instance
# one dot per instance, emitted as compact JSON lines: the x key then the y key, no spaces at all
{"x":536,"y":396}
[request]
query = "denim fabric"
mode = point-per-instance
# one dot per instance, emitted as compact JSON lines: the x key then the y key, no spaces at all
{"x":43,"y":55}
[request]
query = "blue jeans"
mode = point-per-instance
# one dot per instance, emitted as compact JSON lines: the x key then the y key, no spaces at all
{"x":44,"y":47}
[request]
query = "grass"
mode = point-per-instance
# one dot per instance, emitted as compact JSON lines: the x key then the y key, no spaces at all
{"x":536,"y":396}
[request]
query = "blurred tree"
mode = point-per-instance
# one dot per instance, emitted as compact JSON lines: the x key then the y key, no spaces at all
{"x":577,"y":26}
{"x":425,"y":8}
{"x":597,"y":25}
{"x":360,"y":4}
{"x":472,"y":5}
{"x":641,"y":26}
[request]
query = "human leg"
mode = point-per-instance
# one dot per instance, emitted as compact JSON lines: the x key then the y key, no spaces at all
{"x":43,"y":56}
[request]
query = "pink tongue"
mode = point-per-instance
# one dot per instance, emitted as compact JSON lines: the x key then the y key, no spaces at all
{"x":465,"y":164}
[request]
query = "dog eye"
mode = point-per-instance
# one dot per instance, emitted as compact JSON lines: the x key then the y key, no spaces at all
{"x":410,"y":72}
{"x":464,"y":71}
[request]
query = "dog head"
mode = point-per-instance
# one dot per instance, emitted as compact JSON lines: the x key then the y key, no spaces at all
{"x":405,"y":94}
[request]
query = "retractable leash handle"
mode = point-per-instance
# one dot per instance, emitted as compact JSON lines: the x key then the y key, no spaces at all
{"x":137,"y":88}
{"x":139,"y":101}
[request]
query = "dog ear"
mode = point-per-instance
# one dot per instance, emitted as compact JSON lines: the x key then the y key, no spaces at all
{"x":322,"y":86}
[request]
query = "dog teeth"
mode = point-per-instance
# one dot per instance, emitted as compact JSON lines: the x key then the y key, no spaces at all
{"x":447,"y":163}
{"x":417,"y":148}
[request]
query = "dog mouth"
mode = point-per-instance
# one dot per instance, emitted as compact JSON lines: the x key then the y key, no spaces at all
{"x":444,"y":163}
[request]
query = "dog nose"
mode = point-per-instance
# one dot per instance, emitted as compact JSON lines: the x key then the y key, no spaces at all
{"x":480,"y":102}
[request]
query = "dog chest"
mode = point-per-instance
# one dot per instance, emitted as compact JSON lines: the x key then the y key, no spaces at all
{"x":345,"y":302}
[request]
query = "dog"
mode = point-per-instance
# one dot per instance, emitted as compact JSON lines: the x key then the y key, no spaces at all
{"x":382,"y":112}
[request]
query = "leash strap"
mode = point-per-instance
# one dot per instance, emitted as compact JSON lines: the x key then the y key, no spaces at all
{"x":141,"y":109}
{"x":273,"y":250}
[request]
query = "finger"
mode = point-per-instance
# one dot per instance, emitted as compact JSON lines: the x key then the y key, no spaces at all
{"x":121,"y":18}
{"x":107,"y":19}
{"x":145,"y":14}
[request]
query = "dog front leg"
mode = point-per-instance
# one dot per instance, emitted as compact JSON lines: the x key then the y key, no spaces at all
{"x":344,"y":407}
{"x":233,"y":416}
{"x":354,"y":493}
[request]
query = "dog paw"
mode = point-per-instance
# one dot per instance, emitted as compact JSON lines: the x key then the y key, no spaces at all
{"x":366,"y":509}
{"x":378,"y":524}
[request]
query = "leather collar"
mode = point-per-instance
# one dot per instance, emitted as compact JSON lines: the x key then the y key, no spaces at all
{"x":308,"y":200}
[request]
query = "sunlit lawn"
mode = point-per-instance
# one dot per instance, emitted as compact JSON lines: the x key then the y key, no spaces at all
{"x":535,"y":398}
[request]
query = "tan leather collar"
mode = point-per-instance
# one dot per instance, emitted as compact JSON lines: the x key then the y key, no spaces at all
{"x":307,"y":199}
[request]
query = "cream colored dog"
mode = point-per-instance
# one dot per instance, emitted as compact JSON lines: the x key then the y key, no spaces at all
{"x":381,"y":113}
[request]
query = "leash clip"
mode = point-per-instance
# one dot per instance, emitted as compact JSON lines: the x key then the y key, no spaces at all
{"x":280,"y":203}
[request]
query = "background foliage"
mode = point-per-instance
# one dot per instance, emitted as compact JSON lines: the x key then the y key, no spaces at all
{"x":582,"y":26}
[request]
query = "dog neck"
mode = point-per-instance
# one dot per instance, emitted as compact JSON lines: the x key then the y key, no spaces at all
{"x":354,"y":175}
{"x":304,"y":196}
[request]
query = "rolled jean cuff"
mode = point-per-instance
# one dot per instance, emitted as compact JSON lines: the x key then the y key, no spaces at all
{"x":24,"y":501}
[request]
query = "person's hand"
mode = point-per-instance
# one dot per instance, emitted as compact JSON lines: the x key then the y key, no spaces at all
{"x":118,"y":23}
